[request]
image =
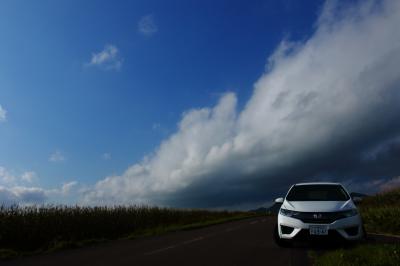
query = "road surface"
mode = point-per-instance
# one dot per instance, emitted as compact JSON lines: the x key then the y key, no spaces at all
{"x":245,"y":242}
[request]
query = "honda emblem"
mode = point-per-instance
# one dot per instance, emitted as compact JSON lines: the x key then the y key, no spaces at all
{"x":317,"y":216}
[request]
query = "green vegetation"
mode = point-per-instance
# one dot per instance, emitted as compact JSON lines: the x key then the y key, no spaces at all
{"x":381,"y":212}
{"x":29,"y":230}
{"x":380,"y":215}
{"x":383,"y":254}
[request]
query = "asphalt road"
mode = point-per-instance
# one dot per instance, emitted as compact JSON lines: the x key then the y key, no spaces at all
{"x":245,"y":242}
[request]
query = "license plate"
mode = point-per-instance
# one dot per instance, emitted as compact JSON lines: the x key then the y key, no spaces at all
{"x":318,"y":230}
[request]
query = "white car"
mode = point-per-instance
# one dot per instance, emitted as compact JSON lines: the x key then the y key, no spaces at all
{"x":318,"y":210}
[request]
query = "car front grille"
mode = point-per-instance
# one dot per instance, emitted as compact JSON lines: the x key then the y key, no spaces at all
{"x":320,"y":217}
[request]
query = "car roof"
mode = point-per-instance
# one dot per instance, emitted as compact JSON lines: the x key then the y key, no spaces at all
{"x":316,"y":183}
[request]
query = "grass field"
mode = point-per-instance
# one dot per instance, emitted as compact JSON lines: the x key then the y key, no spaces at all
{"x":380,"y":214}
{"x":27,"y":230}
{"x":377,"y":255}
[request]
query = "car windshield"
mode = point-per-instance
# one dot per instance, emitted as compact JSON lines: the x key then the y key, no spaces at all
{"x":317,"y":193}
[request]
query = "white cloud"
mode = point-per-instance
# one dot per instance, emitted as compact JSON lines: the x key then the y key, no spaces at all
{"x":156,"y":126}
{"x":67,"y":187}
{"x":22,"y":195}
{"x":338,"y":89}
{"x":107,"y":59}
{"x":106,"y":156}
{"x":66,"y":192}
{"x":3,"y":114}
{"x":147,"y":25}
{"x":57,"y":156}
{"x":28,"y":176}
{"x":6,"y":176}
{"x":12,"y":192}
{"x":9,"y":177}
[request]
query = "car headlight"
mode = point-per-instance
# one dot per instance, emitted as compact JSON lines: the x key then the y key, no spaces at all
{"x":350,"y":213}
{"x":288,"y":213}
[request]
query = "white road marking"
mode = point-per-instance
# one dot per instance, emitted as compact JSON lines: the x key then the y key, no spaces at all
{"x":159,"y":250}
{"x":187,"y":242}
{"x":193,"y":240}
{"x":232,"y":229}
{"x":174,"y":246}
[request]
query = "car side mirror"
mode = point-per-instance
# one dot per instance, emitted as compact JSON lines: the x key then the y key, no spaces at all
{"x":279,"y":200}
{"x":357,"y":199}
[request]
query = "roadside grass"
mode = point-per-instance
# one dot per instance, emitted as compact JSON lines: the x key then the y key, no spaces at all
{"x":380,"y":214}
{"x":185,"y":227}
{"x":368,"y":254}
{"x":40,"y":229}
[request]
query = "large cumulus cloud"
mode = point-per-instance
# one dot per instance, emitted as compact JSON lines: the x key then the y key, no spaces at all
{"x":326,"y":108}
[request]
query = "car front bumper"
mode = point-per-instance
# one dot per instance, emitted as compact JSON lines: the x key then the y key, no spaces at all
{"x":348,"y":228}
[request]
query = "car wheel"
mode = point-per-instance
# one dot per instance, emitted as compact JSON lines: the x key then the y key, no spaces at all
{"x":279,"y":241}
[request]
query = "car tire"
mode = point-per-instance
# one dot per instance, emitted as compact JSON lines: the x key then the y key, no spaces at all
{"x":284,"y":243}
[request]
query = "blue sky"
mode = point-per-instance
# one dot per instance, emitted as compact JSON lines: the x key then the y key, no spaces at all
{"x":54,"y":102}
{"x":98,"y":85}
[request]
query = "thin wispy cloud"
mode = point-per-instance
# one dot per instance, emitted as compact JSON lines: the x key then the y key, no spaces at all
{"x":3,"y":114}
{"x":319,"y":107}
{"x":107,"y":59}
{"x":9,"y":177}
{"x":106,"y":156}
{"x":6,"y":176}
{"x":68,"y":187}
{"x":28,"y":176}
{"x":57,"y":156}
{"x":147,"y":25}
{"x":157,"y":127}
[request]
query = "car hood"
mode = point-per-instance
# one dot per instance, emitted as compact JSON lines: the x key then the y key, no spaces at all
{"x":318,"y":206}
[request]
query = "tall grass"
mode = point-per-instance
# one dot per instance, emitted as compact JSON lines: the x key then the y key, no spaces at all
{"x":381,"y":212}
{"x":377,"y":255}
{"x":42,"y":227}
